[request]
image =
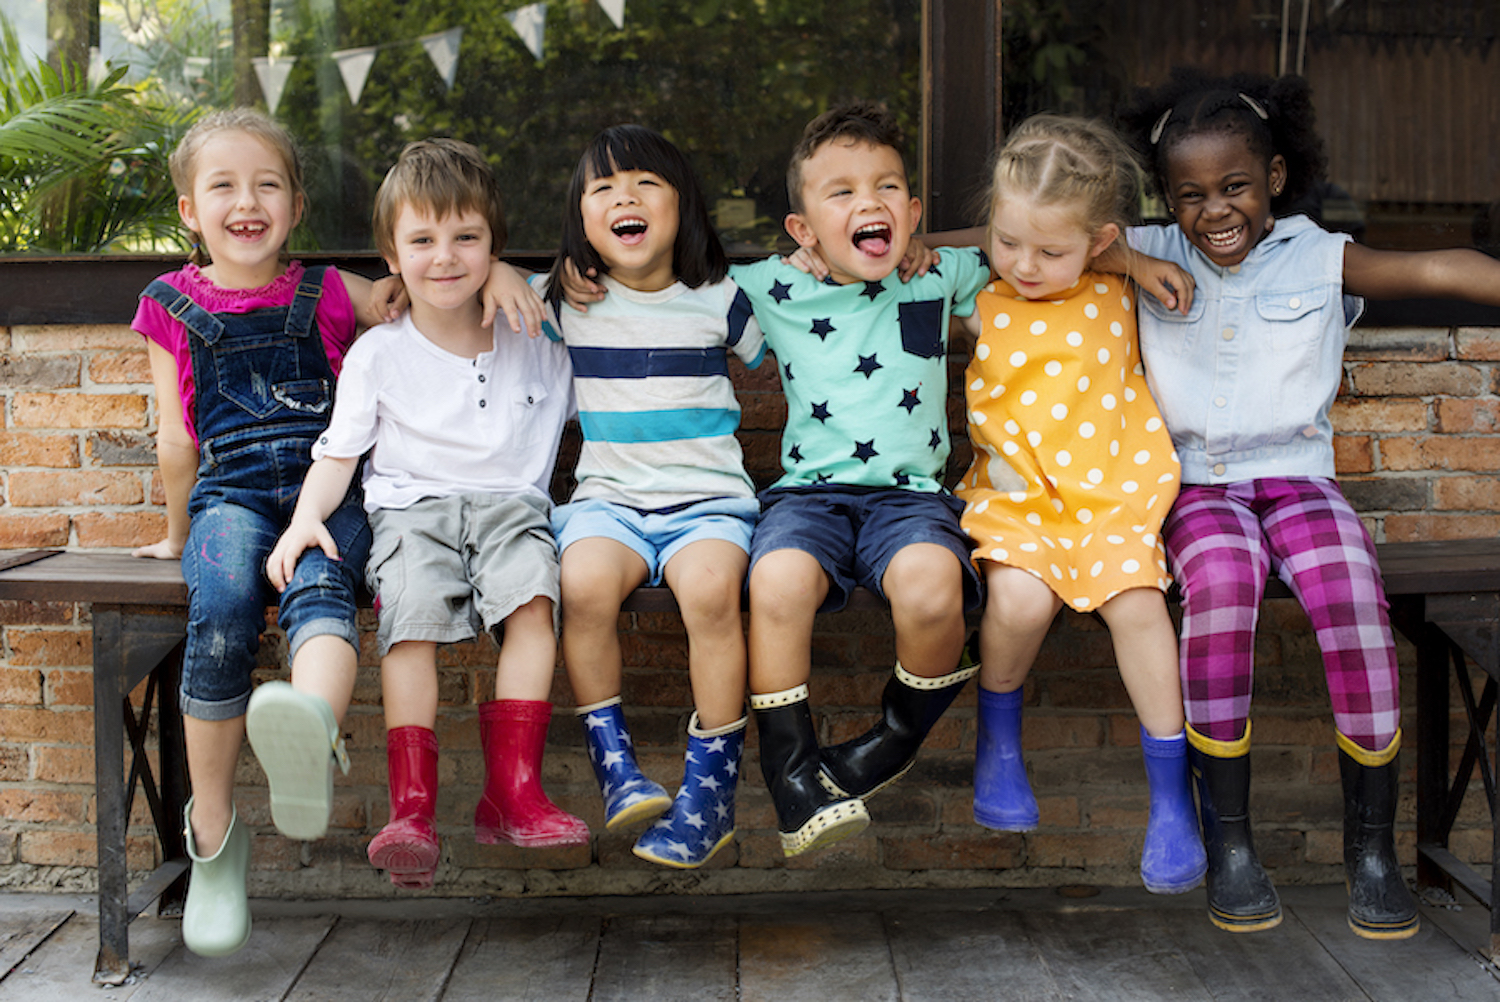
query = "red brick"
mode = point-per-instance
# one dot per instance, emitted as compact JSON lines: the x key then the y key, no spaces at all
{"x":67,"y":727}
{"x":70,"y":688}
{"x":78,"y":410}
{"x":978,"y":851}
{"x":1437,"y":453}
{"x":64,"y":764}
{"x":14,"y":763}
{"x":21,"y":532}
{"x":1353,"y":454}
{"x":120,"y":367}
{"x":1083,"y":849}
{"x":31,"y":449}
{"x":82,"y":487}
{"x":50,"y":647}
{"x":1120,"y":812}
{"x":73,"y":337}
{"x":19,"y":686}
{"x":54,"y":848}
{"x":1466,"y":493}
{"x":1459,"y":416}
{"x":1325,"y":847}
{"x":1404,"y":344}
{"x":1416,"y":527}
{"x":1046,"y":731}
{"x":1477,"y":344}
{"x":124,"y":528}
{"x":41,"y":806}
{"x":1404,"y":379}
{"x":1355,"y":414}
{"x":14,"y":612}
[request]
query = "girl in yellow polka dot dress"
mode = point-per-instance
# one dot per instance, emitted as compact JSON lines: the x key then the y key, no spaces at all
{"x":1073,"y":472}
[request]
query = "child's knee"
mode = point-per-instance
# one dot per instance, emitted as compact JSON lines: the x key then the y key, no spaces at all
{"x":786,"y":580}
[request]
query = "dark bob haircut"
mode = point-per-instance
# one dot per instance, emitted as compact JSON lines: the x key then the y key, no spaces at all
{"x":697,"y":256}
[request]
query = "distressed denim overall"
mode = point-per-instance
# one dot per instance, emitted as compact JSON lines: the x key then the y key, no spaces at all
{"x":264,"y":390}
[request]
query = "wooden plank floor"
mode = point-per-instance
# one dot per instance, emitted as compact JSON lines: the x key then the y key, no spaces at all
{"x":901,"y":946}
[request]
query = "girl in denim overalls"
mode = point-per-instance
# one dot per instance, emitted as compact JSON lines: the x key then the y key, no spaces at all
{"x":244,"y":353}
{"x":1245,"y":381}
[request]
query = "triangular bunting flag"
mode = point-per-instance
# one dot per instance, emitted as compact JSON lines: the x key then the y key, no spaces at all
{"x":272,"y":74}
{"x":354,"y":67}
{"x":530,"y":23}
{"x":616,"y":11}
{"x":442,"y":49}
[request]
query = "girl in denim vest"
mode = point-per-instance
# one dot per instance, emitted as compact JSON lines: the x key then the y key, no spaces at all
{"x":244,"y":349}
{"x":1245,"y":381}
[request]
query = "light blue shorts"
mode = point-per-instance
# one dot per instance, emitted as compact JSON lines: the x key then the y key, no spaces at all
{"x":656,"y":536}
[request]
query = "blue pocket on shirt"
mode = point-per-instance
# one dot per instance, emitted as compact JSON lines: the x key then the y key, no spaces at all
{"x":922,"y":327}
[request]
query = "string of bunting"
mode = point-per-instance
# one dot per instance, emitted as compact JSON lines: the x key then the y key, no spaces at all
{"x":528,"y":22}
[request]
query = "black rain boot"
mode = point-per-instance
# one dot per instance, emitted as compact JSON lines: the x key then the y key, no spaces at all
{"x":1241,"y":898}
{"x":808,"y":816}
{"x":1380,"y":905}
{"x":911,"y":705}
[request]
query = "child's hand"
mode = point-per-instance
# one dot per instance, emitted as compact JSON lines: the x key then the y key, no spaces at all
{"x":808,"y":261}
{"x":918,"y":258}
{"x":165,"y":549}
{"x":299,"y":537}
{"x":1169,"y":283}
{"x":508,"y":290}
{"x":388,"y":298}
{"x":580,"y":290}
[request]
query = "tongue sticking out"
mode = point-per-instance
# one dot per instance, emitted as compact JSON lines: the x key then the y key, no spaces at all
{"x":874,"y":242}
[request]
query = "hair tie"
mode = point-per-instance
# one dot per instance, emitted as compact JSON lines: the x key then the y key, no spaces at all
{"x":1161,"y":126}
{"x":1255,"y":106}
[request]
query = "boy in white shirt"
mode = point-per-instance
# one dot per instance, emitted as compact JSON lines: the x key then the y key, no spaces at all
{"x":461,"y":421}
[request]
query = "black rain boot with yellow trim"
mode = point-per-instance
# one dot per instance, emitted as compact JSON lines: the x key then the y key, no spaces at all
{"x":1380,"y":905}
{"x":910,"y":706}
{"x":1241,"y":898}
{"x":808,"y":816}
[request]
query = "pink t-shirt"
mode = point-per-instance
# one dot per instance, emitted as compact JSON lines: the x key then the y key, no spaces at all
{"x":335,"y":316}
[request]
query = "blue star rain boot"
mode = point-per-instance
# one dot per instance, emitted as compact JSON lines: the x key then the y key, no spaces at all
{"x":701,"y":821}
{"x":629,"y":797}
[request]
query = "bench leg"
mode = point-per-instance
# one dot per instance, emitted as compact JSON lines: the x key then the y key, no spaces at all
{"x":112,"y":965}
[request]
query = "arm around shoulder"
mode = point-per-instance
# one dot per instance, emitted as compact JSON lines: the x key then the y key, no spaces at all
{"x":1459,"y":273}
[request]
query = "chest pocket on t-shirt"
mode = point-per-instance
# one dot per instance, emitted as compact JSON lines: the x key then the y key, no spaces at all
{"x":1293,"y":317}
{"x":922,"y":328}
{"x":528,"y":414}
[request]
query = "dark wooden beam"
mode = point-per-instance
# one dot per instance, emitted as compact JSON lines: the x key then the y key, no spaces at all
{"x":960,"y":106}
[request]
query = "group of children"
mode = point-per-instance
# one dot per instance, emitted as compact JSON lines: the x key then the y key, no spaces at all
{"x":1118,"y":444}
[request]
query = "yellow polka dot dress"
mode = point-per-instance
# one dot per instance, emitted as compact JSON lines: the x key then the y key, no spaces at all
{"x":1073,"y":469}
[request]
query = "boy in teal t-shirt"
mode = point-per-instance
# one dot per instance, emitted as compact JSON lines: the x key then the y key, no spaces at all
{"x":863,"y":361}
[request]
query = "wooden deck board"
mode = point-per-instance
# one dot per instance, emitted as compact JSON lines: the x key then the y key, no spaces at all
{"x":391,"y":961}
{"x":21,"y":934}
{"x":60,"y":967}
{"x":1429,"y":966}
{"x":1106,"y":956}
{"x":803,"y":957}
{"x":968,"y":955}
{"x":543,"y":959}
{"x":267,"y":968}
{"x":670,"y":958}
{"x":1287,"y":962}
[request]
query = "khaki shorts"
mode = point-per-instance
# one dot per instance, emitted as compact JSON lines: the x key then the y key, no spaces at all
{"x":446,"y":567}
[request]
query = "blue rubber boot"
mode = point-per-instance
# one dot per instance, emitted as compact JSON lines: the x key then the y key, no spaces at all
{"x":701,"y":821}
{"x":1173,"y":860}
{"x":629,"y":797}
{"x":216,"y":914}
{"x":1002,"y":795}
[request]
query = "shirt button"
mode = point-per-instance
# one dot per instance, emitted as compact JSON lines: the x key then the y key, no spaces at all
{"x":1228,"y":334}
{"x":1218,"y":469}
{"x":1234,"y":269}
{"x":481,"y":377}
{"x":481,"y":403}
{"x":1309,"y":432}
{"x":1295,"y":302}
{"x":1220,"y":401}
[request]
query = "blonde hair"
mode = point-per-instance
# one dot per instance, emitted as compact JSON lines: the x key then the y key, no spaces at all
{"x":1052,"y":160}
{"x":439,"y":176}
{"x":183,"y":162}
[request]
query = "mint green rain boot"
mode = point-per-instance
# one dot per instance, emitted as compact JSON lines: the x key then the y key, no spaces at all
{"x":297,"y":741}
{"x":216,"y":915}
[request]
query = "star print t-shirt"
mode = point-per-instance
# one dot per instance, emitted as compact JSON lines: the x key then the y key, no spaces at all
{"x":864,"y":368}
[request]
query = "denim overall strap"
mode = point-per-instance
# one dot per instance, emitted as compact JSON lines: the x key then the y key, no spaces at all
{"x":186,"y":312}
{"x":303,"y":311}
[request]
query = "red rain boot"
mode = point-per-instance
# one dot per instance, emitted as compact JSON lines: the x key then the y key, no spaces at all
{"x":407,"y":847}
{"x":514,"y":809}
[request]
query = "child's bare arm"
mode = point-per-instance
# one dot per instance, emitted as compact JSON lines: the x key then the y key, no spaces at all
{"x":1446,"y":274}
{"x":508,"y":290}
{"x":176,"y":455}
{"x":1171,"y":284}
{"x":375,"y":302}
{"x":323,"y":488}
{"x":580,"y":290}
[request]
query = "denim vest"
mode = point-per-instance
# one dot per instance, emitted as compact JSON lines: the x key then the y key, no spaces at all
{"x":1246,"y":380}
{"x":259,"y":377}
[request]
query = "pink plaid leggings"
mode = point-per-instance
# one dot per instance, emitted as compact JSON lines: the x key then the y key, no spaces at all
{"x":1222,"y":541}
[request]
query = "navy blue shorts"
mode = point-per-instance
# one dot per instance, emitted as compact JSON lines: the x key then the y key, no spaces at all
{"x":854,"y":533}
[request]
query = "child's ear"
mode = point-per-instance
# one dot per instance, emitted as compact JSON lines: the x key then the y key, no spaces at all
{"x":186,"y":213}
{"x":392,"y":264}
{"x":1277,"y":175}
{"x":798,"y":229}
{"x":916,"y":212}
{"x":1108,"y":234}
{"x":298,"y":204}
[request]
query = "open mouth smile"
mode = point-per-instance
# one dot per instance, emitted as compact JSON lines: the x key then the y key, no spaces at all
{"x":247,"y":230}
{"x":1225,"y":239}
{"x":630,"y":230}
{"x":873,"y":239}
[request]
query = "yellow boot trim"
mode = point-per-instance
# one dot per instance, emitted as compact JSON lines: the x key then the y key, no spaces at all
{"x":1220,"y":749}
{"x":1363,"y":755}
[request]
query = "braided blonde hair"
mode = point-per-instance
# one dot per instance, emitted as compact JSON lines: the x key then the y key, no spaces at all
{"x":1077,"y":163}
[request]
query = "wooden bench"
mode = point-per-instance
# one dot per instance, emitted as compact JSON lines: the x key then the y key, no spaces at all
{"x":1445,"y":599}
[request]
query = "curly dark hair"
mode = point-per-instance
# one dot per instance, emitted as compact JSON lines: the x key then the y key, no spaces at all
{"x":1195,"y":101}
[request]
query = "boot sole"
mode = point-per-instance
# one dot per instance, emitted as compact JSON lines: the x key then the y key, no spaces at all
{"x":407,"y":858}
{"x":288,"y":735}
{"x":635,"y":814}
{"x":1004,"y":823}
{"x":681,"y":864}
{"x":833,"y":823}
{"x":1180,"y":887}
{"x":495,"y":836}
{"x":1405,"y":930}
{"x":1244,"y":923}
{"x":827,"y":782}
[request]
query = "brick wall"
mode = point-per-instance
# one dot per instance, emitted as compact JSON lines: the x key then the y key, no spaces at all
{"x":1418,"y":448}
